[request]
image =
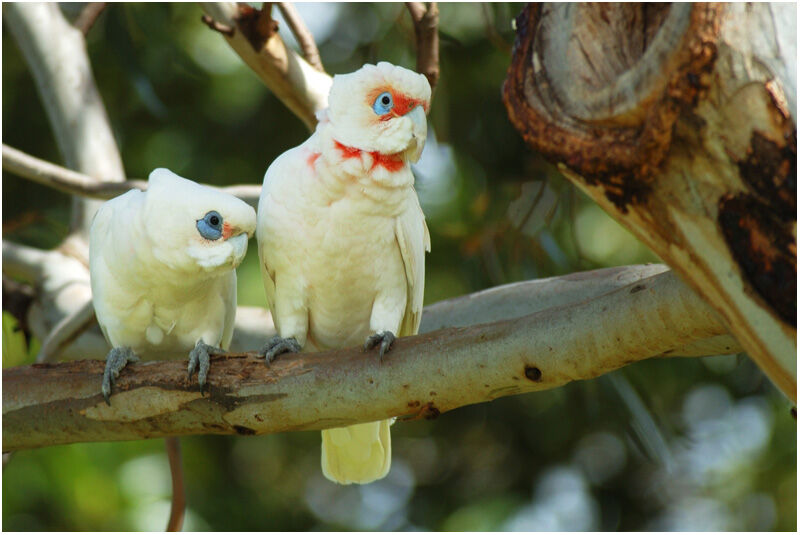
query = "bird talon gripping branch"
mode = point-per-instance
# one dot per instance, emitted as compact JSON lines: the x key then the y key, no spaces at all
{"x":116,"y":360}
{"x":276,"y":346}
{"x":383,"y":339}
{"x":200,"y":360}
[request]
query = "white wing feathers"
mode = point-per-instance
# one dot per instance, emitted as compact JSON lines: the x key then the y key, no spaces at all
{"x":414,"y":241}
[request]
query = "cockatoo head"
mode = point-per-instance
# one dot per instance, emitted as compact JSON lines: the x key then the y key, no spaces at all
{"x":194,"y":227}
{"x":380,"y":108}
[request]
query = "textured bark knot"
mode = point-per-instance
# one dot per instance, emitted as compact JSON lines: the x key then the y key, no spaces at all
{"x":598,"y":87}
{"x":533,"y":373}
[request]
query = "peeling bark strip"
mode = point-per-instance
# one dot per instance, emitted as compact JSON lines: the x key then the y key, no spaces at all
{"x":679,"y":121}
{"x":421,"y":377}
{"x":765,"y":249}
{"x":578,"y":112}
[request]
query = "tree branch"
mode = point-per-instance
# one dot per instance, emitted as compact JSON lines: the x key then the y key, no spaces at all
{"x":88,"y":16}
{"x":217,"y":26}
{"x":423,"y":376}
{"x":626,"y":101}
{"x":254,"y":324}
{"x":426,"y":29}
{"x":56,"y":54}
{"x":63,"y":179}
{"x":178,"y":507}
{"x":66,"y":331}
{"x":302,"y":34}
{"x":299,"y":85}
{"x":74,"y":183}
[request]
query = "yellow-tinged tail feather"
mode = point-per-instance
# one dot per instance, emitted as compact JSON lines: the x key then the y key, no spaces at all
{"x":359,"y":453}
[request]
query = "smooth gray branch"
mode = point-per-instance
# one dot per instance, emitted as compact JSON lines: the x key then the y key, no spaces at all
{"x":74,"y":183}
{"x":422,"y":376}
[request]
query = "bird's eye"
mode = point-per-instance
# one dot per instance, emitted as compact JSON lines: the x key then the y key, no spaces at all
{"x":383,"y":104}
{"x":210,"y":227}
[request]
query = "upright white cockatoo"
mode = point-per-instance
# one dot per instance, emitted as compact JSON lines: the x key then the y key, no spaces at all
{"x":163,"y":271}
{"x":342,"y":239}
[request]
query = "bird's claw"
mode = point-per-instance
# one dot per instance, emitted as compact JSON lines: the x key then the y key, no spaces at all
{"x":116,"y":359}
{"x":385,"y":339}
{"x":200,"y":360}
{"x":277,"y":345}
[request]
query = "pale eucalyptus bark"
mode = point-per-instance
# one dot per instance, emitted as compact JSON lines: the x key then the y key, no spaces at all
{"x":422,"y":376}
{"x":56,"y":55}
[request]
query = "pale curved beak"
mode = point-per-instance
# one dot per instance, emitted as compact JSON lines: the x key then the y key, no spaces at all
{"x":419,"y":132}
{"x":238,"y":248}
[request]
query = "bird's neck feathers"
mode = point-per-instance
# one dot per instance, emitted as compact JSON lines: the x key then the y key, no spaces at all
{"x":372,"y":169}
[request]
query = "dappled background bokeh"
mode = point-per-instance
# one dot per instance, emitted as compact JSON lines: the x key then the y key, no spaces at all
{"x":670,"y":444}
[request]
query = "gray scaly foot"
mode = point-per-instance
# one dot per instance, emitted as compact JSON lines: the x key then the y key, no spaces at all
{"x":200,"y":360}
{"x":277,"y":345}
{"x":385,"y":339}
{"x":116,"y":359}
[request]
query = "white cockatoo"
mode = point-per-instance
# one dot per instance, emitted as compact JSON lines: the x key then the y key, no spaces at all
{"x":163,"y":271}
{"x":342,"y":239}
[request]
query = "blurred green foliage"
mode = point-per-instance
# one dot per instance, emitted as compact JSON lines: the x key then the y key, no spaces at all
{"x":693,"y":444}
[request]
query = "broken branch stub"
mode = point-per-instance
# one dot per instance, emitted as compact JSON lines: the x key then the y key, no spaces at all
{"x":675,"y":119}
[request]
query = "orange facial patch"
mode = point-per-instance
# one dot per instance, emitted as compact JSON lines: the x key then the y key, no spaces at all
{"x":227,"y":231}
{"x":402,"y":103}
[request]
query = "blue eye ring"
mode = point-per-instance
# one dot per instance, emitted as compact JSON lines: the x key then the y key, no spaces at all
{"x":383,"y":104}
{"x":210,"y":227}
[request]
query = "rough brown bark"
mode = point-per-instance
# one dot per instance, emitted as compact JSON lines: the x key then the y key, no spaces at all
{"x":678,"y":120}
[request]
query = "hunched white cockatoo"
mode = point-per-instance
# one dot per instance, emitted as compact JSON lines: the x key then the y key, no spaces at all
{"x":163,"y":271}
{"x":342,"y":239}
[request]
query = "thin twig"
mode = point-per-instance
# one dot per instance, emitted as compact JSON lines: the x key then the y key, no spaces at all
{"x":178,"y":505}
{"x":88,"y":16}
{"x":426,"y":29}
{"x":302,"y":34}
{"x":72,"y":182}
{"x":217,"y":26}
{"x":63,"y":179}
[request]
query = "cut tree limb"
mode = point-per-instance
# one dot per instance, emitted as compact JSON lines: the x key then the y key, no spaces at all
{"x":423,"y":376}
{"x":298,"y":84}
{"x":675,"y":119}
